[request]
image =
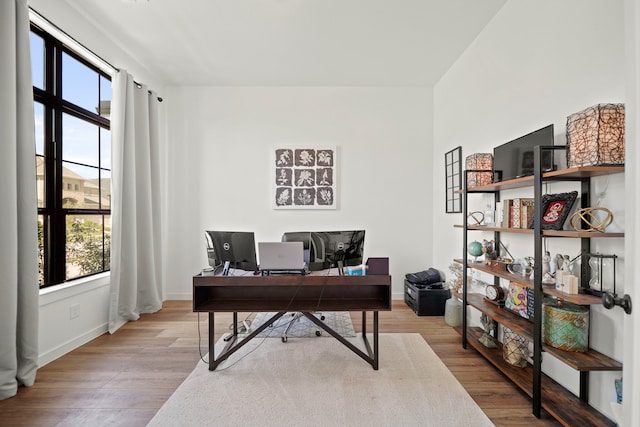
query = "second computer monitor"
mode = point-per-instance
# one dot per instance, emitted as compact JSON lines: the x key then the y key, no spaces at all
{"x":338,"y":248}
{"x":236,"y":247}
{"x":327,"y":249}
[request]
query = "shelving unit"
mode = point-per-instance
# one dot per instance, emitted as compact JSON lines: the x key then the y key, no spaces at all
{"x":545,"y":393}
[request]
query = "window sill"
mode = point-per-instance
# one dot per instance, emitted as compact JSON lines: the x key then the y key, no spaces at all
{"x":65,"y":290}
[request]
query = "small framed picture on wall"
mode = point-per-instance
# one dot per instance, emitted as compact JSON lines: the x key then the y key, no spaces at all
{"x":453,"y":183}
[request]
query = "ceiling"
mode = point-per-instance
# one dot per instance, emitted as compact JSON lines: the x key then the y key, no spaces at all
{"x":292,"y":42}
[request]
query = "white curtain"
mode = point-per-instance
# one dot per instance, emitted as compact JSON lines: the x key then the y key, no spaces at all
{"x":136,"y":285}
{"x":19,"y":291}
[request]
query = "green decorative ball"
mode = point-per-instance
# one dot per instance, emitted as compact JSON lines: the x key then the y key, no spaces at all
{"x":475,"y":248}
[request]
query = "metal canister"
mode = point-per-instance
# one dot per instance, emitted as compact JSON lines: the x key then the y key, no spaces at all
{"x":565,"y":325}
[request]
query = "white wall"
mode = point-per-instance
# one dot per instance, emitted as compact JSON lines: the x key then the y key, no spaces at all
{"x":219,"y":173}
{"x":535,"y":64}
{"x":631,"y":387}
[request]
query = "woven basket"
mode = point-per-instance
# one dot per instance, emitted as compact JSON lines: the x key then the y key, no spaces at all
{"x":595,"y":136}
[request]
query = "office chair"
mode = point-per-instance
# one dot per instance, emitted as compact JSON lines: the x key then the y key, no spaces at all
{"x":305,"y":238}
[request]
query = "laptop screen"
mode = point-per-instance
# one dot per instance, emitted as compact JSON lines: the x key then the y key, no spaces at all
{"x":281,"y":255}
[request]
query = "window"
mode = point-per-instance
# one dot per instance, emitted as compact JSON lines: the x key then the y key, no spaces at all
{"x":73,"y":144}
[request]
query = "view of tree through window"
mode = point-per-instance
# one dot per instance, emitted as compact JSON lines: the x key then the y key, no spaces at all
{"x":72,"y":100}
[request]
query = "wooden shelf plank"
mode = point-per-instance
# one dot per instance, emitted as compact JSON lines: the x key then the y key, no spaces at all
{"x":559,"y":175}
{"x":582,"y":172}
{"x":563,"y":405}
{"x":580,"y":299}
{"x":500,"y":271}
{"x":588,"y":361}
{"x":549,"y":233}
{"x":517,"y":324}
{"x":581,"y":234}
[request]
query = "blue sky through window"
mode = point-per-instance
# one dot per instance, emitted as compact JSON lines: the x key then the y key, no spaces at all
{"x":83,"y":87}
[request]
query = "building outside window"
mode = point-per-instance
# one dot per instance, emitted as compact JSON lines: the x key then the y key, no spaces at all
{"x":73,"y":161}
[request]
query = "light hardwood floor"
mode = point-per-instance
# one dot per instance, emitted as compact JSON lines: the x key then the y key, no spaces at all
{"x":123,"y":379}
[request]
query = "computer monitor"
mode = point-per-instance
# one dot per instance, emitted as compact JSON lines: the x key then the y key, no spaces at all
{"x":211,"y":252}
{"x":338,"y":248}
{"x":238,"y":248}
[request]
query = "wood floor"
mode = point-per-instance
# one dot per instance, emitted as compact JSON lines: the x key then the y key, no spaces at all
{"x":123,"y":379}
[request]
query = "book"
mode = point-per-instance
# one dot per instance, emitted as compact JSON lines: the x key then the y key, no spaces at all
{"x":506,"y":214}
{"x":514,"y":221}
{"x":499,"y":214}
{"x":526,"y":212}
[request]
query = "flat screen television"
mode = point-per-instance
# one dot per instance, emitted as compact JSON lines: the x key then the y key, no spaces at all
{"x":515,"y":158}
{"x":236,"y":247}
{"x":338,"y":248}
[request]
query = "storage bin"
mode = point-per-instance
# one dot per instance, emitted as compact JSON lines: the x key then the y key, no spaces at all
{"x":595,"y":136}
{"x":565,"y":325}
{"x":479,"y":162}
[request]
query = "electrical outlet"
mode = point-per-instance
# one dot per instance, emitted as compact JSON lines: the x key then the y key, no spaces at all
{"x":74,"y":311}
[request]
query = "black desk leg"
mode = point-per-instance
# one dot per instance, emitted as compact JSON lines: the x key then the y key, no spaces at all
{"x":212,"y":342}
{"x":375,"y":340}
{"x":364,"y":323}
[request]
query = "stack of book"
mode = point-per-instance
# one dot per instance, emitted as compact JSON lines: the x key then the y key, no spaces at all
{"x":514,"y":213}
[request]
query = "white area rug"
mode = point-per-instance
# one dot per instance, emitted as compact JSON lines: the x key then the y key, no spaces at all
{"x":302,"y":327}
{"x":319,"y":382}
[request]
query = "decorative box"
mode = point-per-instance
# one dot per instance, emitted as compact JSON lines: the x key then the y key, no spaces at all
{"x":595,"y":136}
{"x":565,"y":325}
{"x":519,"y":300}
{"x":479,"y":162}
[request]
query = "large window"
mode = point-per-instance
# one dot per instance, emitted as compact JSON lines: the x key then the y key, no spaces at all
{"x":72,"y":101}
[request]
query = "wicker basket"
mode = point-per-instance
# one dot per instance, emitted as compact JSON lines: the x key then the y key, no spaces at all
{"x":595,"y":136}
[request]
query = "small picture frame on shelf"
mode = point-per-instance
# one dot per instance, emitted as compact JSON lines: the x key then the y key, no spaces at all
{"x":555,"y":210}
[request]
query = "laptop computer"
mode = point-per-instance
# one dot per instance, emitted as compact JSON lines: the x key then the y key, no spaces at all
{"x":281,"y":257}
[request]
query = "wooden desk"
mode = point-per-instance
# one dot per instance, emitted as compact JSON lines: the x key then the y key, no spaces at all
{"x":317,"y":291}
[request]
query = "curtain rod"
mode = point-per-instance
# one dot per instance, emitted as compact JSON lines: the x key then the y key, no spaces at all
{"x":98,"y":57}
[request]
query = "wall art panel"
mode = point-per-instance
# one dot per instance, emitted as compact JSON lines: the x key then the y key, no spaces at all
{"x":304,"y":177}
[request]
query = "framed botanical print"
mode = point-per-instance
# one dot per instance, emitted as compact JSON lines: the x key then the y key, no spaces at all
{"x":453,"y":183}
{"x":304,"y":177}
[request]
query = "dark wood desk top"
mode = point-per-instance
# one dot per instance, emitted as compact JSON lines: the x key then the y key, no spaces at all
{"x":315,"y":278}
{"x":312,"y":292}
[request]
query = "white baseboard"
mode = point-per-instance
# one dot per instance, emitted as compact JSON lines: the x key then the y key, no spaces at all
{"x":70,"y":345}
{"x":178,"y":296}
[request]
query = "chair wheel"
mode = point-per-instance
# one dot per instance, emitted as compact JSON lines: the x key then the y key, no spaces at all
{"x":284,"y":339}
{"x":322,"y":317}
{"x":318,"y":333}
